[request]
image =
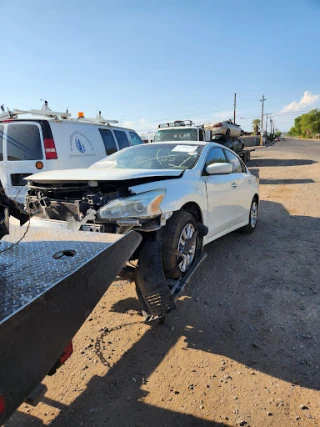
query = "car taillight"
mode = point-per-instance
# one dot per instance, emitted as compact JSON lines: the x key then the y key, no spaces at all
{"x":50,"y":149}
{"x":218,"y":125}
{"x":2,"y":405}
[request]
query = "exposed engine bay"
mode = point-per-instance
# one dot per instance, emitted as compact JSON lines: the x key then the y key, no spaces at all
{"x":79,"y":204}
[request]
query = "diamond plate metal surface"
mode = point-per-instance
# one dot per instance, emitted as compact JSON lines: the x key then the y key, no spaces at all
{"x":28,"y":269}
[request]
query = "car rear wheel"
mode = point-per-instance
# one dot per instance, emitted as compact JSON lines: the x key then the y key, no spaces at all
{"x":253,"y":217}
{"x":180,"y":244}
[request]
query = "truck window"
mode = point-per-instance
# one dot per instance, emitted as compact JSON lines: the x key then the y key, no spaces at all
{"x":23,"y":142}
{"x":201,"y":135}
{"x":135,"y":139}
{"x":122,"y":139}
{"x":176,"y":135}
{"x":1,"y":142}
{"x":108,"y":141}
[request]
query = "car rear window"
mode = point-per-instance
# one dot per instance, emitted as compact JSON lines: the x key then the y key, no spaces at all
{"x":1,"y":142}
{"x":122,"y":139}
{"x":135,"y":139}
{"x":108,"y":141}
{"x":24,"y":142}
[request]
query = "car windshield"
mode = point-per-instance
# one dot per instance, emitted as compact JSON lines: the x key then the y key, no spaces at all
{"x":176,"y":135}
{"x":153,"y":156}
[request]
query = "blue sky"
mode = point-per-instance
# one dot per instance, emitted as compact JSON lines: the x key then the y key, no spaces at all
{"x":143,"y":62}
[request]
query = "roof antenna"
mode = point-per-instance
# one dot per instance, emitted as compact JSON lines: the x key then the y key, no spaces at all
{"x":45,"y":105}
{"x":99,"y":116}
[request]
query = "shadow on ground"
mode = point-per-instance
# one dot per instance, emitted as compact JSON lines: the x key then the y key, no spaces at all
{"x":254,"y":300}
{"x":280,"y":162}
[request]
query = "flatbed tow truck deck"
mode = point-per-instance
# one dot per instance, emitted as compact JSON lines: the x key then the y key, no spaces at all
{"x":49,"y":284}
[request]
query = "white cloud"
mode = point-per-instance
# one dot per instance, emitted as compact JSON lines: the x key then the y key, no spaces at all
{"x":305,"y":101}
{"x":143,"y":120}
{"x":128,"y":124}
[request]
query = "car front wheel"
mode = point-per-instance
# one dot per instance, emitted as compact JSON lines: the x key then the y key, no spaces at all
{"x":180,"y":244}
{"x":253,"y":217}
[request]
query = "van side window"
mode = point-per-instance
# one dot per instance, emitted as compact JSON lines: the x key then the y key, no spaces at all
{"x":1,"y":142}
{"x":23,"y":142}
{"x":122,"y":139}
{"x":108,"y":141}
{"x":135,"y":139}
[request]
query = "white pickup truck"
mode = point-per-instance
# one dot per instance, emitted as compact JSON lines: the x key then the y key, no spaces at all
{"x":185,"y":130}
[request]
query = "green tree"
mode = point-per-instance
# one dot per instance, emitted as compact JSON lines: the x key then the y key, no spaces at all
{"x":307,"y":125}
{"x":256,"y":125}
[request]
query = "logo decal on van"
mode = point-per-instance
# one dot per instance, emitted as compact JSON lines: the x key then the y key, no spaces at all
{"x":80,"y":146}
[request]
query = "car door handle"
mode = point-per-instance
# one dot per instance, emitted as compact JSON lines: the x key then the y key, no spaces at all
{"x":234,"y":185}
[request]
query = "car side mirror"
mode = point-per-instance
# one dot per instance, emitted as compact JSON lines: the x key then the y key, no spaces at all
{"x":219,"y":168}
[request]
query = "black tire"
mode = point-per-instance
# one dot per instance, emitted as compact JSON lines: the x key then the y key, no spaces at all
{"x":172,"y":233}
{"x":248,"y":229}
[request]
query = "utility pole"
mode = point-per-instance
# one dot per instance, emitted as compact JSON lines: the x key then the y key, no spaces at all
{"x":234,"y":108}
{"x":267,"y":125}
{"x":261,"y":124}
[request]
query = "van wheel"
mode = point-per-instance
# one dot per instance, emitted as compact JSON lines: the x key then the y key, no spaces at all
{"x":180,"y":244}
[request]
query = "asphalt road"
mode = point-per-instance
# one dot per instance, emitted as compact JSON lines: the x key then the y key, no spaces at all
{"x":303,"y":148}
{"x":243,"y":346}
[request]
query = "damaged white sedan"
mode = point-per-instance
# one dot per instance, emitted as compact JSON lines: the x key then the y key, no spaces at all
{"x":178,"y":196}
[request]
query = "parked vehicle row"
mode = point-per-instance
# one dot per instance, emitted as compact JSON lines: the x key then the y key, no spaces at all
{"x":180,"y":192}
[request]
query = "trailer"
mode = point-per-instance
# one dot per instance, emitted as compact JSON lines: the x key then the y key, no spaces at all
{"x":245,"y":154}
{"x":49,"y":284}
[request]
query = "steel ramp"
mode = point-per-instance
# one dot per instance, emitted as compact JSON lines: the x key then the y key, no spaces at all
{"x":49,"y":284}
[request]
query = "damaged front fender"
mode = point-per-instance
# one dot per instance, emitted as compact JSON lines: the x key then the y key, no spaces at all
{"x":152,"y":286}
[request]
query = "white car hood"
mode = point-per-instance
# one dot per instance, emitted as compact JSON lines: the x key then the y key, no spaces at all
{"x":76,"y":175}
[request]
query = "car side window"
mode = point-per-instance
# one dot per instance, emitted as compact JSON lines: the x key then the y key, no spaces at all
{"x":122,"y":139}
{"x":216,"y":155}
{"x":237,"y":166}
{"x":1,"y":142}
{"x":135,"y":139}
{"x":24,"y":142}
{"x":108,"y":141}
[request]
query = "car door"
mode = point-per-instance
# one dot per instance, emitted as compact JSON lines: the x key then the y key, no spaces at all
{"x":24,"y":153}
{"x":240,"y":182}
{"x":221,"y":197}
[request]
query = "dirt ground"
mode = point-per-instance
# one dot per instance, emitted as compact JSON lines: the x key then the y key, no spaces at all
{"x":242,"y":348}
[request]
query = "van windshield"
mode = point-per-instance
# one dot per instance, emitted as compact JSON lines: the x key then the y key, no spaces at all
{"x":176,"y":135}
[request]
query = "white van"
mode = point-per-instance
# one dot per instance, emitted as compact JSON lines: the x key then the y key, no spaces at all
{"x":28,"y":146}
